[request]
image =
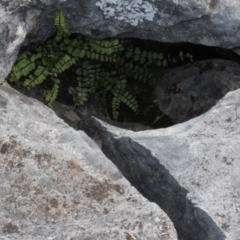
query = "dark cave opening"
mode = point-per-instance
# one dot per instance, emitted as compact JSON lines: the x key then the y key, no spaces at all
{"x":148,"y":113}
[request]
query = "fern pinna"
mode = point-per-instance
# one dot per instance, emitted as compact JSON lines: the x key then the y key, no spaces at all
{"x":103,"y":67}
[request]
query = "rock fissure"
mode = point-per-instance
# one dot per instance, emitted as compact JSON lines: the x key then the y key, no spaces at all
{"x":155,"y":182}
{"x":185,"y":169}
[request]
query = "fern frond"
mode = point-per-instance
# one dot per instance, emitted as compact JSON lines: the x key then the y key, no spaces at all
{"x":115,"y":106}
{"x":40,"y":74}
{"x":51,"y":94}
{"x":25,"y":64}
{"x":23,"y":68}
{"x":63,"y":64}
{"x":130,"y":101}
{"x":60,"y":22}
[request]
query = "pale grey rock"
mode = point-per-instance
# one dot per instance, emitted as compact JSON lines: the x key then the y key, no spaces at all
{"x":191,"y":90}
{"x":12,"y":36}
{"x":57,"y":184}
{"x":191,"y":170}
{"x":17,"y":19}
{"x":199,"y":157}
{"x":208,"y":22}
{"x":134,"y":12}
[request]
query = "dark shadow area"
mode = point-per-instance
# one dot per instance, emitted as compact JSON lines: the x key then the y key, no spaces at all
{"x":198,"y":51}
{"x":156,"y":183}
{"x":148,"y":113}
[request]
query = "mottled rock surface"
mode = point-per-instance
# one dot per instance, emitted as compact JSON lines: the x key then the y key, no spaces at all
{"x":195,"y":21}
{"x":191,"y":170}
{"x":186,"y":92}
{"x":57,"y":184}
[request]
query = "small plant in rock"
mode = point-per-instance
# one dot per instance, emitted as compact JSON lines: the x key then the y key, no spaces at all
{"x":101,"y":67}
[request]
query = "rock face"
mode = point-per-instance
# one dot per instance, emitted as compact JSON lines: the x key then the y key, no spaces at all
{"x":188,"y":91}
{"x":191,"y":170}
{"x":196,"y":21}
{"x":57,"y":184}
{"x":55,"y":181}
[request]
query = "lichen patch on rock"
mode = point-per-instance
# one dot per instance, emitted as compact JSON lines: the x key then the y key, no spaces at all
{"x":133,"y":12}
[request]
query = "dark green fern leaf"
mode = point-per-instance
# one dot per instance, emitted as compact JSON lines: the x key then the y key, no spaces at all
{"x":60,"y":22}
{"x":51,"y":94}
{"x":63,"y":64}
{"x":40,"y":74}
{"x":25,"y":64}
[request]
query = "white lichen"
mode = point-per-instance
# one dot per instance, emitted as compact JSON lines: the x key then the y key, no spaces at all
{"x":20,"y":36}
{"x":132,"y":12}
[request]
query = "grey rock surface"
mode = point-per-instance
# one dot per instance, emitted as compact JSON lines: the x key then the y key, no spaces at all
{"x":17,"y":19}
{"x":191,"y":170}
{"x":57,"y":184}
{"x":191,"y":90}
{"x":196,"y":21}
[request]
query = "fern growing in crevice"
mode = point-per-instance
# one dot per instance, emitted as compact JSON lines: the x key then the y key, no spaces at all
{"x":103,"y":67}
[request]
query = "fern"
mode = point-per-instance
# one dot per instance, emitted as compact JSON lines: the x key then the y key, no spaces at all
{"x":61,"y":25}
{"x":45,"y":63}
{"x":103,"y":67}
{"x":39,"y":75}
{"x":51,"y":94}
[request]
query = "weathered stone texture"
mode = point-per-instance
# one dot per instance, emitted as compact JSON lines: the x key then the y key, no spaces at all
{"x":57,"y":184}
{"x":186,"y":92}
{"x":192,"y":169}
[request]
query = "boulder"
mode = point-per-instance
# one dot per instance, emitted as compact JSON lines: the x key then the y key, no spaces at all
{"x":57,"y":184}
{"x":191,"y":170}
{"x":189,"y":91}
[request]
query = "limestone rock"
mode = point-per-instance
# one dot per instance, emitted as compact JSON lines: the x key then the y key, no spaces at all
{"x":57,"y":184}
{"x":186,"y":92}
{"x":191,"y":170}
